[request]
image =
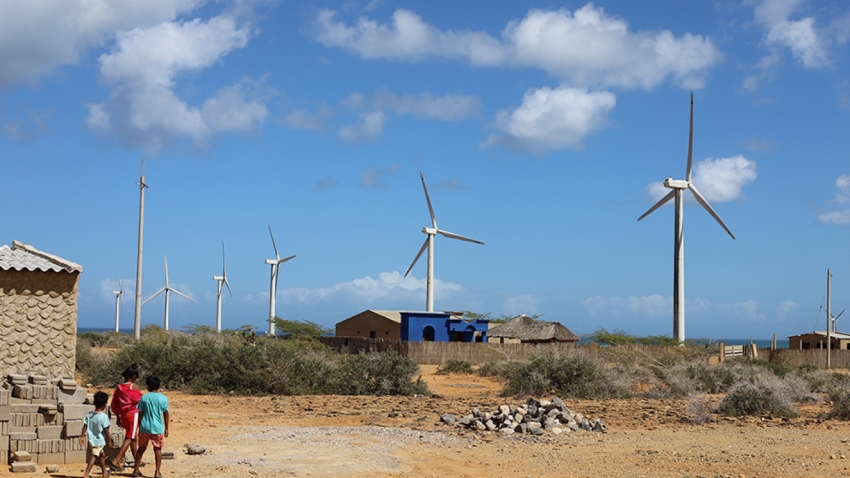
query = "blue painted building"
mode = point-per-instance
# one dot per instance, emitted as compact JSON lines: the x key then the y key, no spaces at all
{"x":441,"y":327}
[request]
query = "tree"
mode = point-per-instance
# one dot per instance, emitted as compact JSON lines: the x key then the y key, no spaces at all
{"x":300,"y":327}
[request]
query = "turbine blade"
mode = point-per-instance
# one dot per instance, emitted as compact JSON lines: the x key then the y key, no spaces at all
{"x":660,"y":203}
{"x":223,"y":261}
{"x":276,"y":275}
{"x":166,"y":270}
{"x":276,"y":255}
{"x":424,"y":246}
{"x":286,"y":259}
{"x":839,"y":315}
{"x":182,"y":294}
{"x":452,"y":235}
{"x":708,"y":208}
{"x":160,"y":291}
{"x":428,"y":198}
{"x":690,"y":141}
{"x":228,"y":286}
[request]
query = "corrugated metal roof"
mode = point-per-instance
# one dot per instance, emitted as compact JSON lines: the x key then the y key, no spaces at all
{"x":835,"y":335}
{"x":25,"y":257}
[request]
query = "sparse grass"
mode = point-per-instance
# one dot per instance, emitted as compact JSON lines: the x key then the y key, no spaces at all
{"x":452,"y":366}
{"x":581,"y":375}
{"x":764,"y":394}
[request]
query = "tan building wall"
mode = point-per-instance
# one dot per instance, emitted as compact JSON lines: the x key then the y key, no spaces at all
{"x":38,"y":322}
{"x":816,"y":341}
{"x":503,"y":340}
{"x":362,"y":324}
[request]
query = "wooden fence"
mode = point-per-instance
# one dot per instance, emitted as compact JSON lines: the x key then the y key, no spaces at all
{"x":816,"y":357}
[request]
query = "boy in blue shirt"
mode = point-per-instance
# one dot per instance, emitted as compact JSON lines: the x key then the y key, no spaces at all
{"x":153,"y":411}
{"x":96,"y":429}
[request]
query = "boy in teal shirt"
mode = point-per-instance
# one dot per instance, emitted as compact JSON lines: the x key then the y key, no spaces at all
{"x":96,"y":430}
{"x":153,"y":411}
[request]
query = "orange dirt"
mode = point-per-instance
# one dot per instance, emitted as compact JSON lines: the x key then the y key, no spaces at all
{"x":330,"y":436}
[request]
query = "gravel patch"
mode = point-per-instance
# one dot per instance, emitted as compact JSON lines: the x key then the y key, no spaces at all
{"x":343,"y":436}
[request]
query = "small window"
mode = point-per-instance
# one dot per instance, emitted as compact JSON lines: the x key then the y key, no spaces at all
{"x":373,"y":334}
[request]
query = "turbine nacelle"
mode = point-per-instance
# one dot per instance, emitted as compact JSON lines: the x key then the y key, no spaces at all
{"x":676,"y":183}
{"x":429,"y":230}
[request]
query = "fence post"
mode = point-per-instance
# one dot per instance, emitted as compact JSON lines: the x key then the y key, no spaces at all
{"x":722,"y":349}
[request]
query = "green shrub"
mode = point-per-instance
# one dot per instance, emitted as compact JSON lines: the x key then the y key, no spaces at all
{"x":764,"y":394}
{"x":574,"y":376}
{"x":493,"y":369}
{"x":840,"y":398}
{"x":460,"y":367}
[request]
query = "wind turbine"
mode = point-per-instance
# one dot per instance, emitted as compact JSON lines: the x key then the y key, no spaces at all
{"x":275,"y":263}
{"x":429,"y":244}
{"x":222,"y":279}
{"x":834,"y":320}
{"x":119,"y":298}
{"x":167,"y":289}
{"x":677,"y":187}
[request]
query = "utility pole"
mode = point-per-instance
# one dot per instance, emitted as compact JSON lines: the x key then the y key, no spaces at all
{"x":828,"y":321}
{"x":137,"y":324}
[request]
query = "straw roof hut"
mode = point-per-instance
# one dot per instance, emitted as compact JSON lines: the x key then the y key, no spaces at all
{"x":527,"y":330}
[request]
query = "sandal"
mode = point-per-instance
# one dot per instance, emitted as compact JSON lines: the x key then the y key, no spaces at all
{"x":136,"y":474}
{"x":112,"y":466}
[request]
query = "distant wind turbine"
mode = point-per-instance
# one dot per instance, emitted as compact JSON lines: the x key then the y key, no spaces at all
{"x":119,"y":298}
{"x":222,"y":279}
{"x":429,"y":244}
{"x":678,"y":186}
{"x":167,"y":289}
{"x":275,"y":271}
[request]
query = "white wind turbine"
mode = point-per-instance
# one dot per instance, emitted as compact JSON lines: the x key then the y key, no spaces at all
{"x":222,"y":279}
{"x":275,"y":263}
{"x":678,"y":186}
{"x":119,"y":298}
{"x":429,"y":244}
{"x":167,"y":289}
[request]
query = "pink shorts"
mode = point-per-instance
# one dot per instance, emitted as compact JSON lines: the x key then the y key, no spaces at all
{"x":130,"y":424}
{"x":155,"y":440}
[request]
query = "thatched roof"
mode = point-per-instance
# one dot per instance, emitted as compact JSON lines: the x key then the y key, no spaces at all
{"x":529,"y":330}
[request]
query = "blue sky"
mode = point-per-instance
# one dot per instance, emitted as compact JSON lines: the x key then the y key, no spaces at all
{"x":542,"y":129}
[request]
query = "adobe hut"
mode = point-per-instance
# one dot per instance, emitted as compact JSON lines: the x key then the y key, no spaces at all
{"x":522,"y":329}
{"x":38,"y":312}
{"x":817,"y":340}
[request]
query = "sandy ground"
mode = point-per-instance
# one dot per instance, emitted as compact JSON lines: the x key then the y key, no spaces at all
{"x":332,"y":436}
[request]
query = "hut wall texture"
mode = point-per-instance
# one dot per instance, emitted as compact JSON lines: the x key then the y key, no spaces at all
{"x":38,"y":322}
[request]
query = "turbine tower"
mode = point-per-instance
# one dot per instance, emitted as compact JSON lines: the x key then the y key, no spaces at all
{"x":275,"y":263}
{"x":137,"y":319}
{"x":678,"y":187}
{"x":222,"y":279}
{"x":119,"y":298}
{"x":429,"y":244}
{"x":167,"y":289}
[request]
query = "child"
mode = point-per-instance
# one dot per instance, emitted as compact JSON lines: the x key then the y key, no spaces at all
{"x":124,"y":402}
{"x":153,"y":409}
{"x":96,"y":428}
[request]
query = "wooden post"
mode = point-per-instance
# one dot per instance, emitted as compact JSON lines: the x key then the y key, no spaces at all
{"x":722,"y":349}
{"x":754,"y":349}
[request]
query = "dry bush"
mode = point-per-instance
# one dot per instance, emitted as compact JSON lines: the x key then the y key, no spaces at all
{"x":460,"y":367}
{"x":700,"y":412}
{"x":763,"y":393}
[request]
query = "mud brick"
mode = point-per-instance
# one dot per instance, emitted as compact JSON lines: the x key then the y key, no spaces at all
{"x":38,"y":380}
{"x":4,"y":428}
{"x":4,"y":445}
{"x":22,"y":391}
{"x":23,"y":419}
{"x":73,"y":444}
{"x":24,"y":467}
{"x":48,"y":408}
{"x":5,"y":413}
{"x":168,"y":455}
{"x":18,"y":401}
{"x":48,"y":432}
{"x":21,"y":456}
{"x":73,"y":428}
{"x":73,"y":397}
{"x":23,"y":436}
{"x":51,"y":459}
{"x":67,"y":384}
{"x":51,"y":446}
{"x":24,"y":408}
{"x":23,"y":445}
{"x":4,"y":397}
{"x":16,"y":379}
{"x":75,"y":412}
{"x":49,"y":419}
{"x":76,"y":456}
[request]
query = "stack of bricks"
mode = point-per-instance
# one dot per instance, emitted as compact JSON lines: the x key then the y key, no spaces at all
{"x":44,"y":418}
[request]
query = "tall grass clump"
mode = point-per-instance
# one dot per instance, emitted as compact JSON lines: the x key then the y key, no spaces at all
{"x":460,"y":367}
{"x":763,"y":394}
{"x":578,"y":375}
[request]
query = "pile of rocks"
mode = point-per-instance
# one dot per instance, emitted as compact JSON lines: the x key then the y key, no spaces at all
{"x":43,"y":420}
{"x":533,"y":417}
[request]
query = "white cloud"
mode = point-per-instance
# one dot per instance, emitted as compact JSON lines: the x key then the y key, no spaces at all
{"x":36,"y":38}
{"x":719,"y":180}
{"x":802,"y":36}
{"x":842,"y":197}
{"x":550,"y":119}
{"x":313,"y":120}
{"x":521,"y":304}
{"x":373,"y":178}
{"x":390,"y":289}
{"x":588,"y":47}
{"x":144,"y":111}
{"x":369,"y":128}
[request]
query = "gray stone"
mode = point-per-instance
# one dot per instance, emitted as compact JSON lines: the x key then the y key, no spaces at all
{"x":479,"y":426}
{"x":584,"y":424}
{"x":507,"y":431}
{"x":24,"y":467}
{"x":24,"y":408}
{"x":490,"y":425}
{"x":521,"y":428}
{"x":448,"y":419}
{"x":21,"y":456}
{"x":534,"y":425}
{"x":73,"y":428}
{"x":73,"y":397}
{"x":75,"y":412}
{"x":598,"y":426}
{"x":536,"y":431}
{"x":466,"y":420}
{"x":168,"y":455}
{"x":572,"y":425}
{"x":477,"y":413}
{"x":23,"y":436}
{"x":52,"y":432}
{"x":53,"y":468}
{"x":557,"y":430}
{"x":193,"y":449}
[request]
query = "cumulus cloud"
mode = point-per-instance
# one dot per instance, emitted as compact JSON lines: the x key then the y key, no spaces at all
{"x":373,"y":178}
{"x":36,"y":38}
{"x":313,"y":120}
{"x":842,"y":197}
{"x":390,"y":289}
{"x":550,"y":119}
{"x":374,"y":111}
{"x":807,"y":42}
{"x":143,"y":109}
{"x":588,"y":47}
{"x":719,"y":180}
